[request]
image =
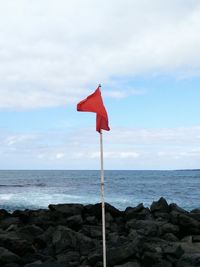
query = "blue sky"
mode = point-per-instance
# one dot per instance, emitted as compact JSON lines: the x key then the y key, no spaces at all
{"x":146,"y":56}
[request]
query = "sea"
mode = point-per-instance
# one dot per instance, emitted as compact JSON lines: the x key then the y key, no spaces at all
{"x":28,"y":189}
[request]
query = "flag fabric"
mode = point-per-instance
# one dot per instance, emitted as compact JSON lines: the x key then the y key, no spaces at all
{"x":94,"y":103}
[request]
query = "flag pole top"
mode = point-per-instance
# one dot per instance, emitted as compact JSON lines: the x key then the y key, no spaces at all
{"x":99,"y":85}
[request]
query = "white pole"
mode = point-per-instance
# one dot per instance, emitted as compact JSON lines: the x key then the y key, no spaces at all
{"x":103,"y":202}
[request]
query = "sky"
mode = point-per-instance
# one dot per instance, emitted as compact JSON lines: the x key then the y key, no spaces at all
{"x":146,"y":55}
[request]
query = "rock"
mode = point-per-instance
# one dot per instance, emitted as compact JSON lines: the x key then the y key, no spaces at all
{"x":192,"y":248}
{"x":12,"y":265}
{"x":161,"y":216}
{"x":189,"y":225}
{"x":92,"y":231}
{"x":19,"y":246}
{"x":95,"y":257}
{"x":75,"y":222}
{"x":187,"y":239}
{"x":129,"y":264}
{"x":169,"y":228}
{"x":120,"y":254}
{"x":144,"y":227}
{"x":196,"y":239}
{"x":29,"y":232}
{"x":151,"y":259}
{"x":138,"y":212}
{"x":47,"y":264}
{"x":6,"y":222}
{"x":67,"y":209}
{"x":91,"y":220}
{"x":170,"y":237}
{"x":23,"y":215}
{"x":64,"y":238}
{"x":70,"y":257}
{"x":109,"y":218}
{"x":174,"y":250}
{"x":161,"y":206}
{"x":41,"y":218}
{"x":35,"y":263}
{"x":189,"y":260}
{"x":175,"y":207}
{"x":195,"y":216}
{"x":96,"y":210}
{"x":4,"y":214}
{"x":7,"y":256}
{"x":174,"y":217}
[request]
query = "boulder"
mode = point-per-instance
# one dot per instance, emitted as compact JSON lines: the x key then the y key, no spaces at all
{"x":189,"y":260}
{"x":175,"y":207}
{"x":170,"y":237}
{"x":47,"y":264}
{"x":160,"y":206}
{"x":70,"y":257}
{"x":96,"y":210}
{"x":138,"y":212}
{"x":4,"y":214}
{"x":6,"y":222}
{"x":75,"y":222}
{"x":169,"y":228}
{"x":67,"y":209}
{"x":144,"y":227}
{"x":6,"y":256}
{"x":174,"y":250}
{"x":117,"y":255}
{"x":129,"y":264}
{"x":188,"y":225}
{"x":65,"y":238}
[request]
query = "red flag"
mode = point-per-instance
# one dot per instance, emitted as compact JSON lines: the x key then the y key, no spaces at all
{"x":94,"y":103}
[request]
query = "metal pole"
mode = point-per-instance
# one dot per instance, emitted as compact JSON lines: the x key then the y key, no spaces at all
{"x":103,"y":202}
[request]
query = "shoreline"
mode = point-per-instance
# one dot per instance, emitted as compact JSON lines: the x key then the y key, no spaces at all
{"x":69,"y":235}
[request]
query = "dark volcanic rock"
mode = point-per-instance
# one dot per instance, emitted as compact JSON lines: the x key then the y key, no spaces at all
{"x":70,"y":235}
{"x":120,"y":254}
{"x":7,"y":256}
{"x":67,"y":209}
{"x":96,"y":210}
{"x":160,"y":206}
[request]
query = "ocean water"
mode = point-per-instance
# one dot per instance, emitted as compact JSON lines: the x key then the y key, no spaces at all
{"x":38,"y":189}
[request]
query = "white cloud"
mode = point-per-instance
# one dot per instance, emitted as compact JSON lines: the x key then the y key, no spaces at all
{"x":123,"y":149}
{"x":51,"y":52}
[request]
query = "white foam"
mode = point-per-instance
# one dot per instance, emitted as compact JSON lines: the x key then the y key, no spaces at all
{"x":6,"y":196}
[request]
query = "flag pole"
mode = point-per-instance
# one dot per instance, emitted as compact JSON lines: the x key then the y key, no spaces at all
{"x":103,"y":201}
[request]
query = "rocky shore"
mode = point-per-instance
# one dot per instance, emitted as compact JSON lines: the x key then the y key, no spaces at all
{"x":163,"y":235}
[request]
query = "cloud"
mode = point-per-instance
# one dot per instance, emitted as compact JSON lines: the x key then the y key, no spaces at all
{"x":117,"y":94}
{"x":52,"y":53}
{"x":124,"y":148}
